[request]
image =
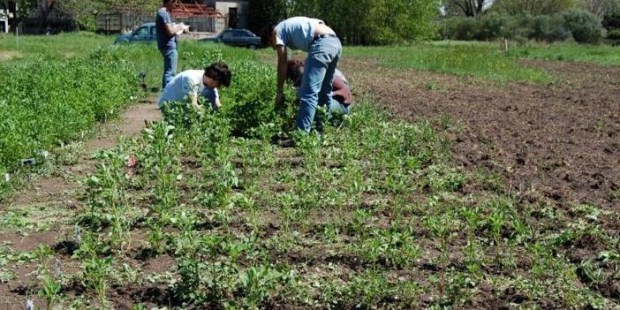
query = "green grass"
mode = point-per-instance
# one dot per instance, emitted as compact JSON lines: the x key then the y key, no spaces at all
{"x":482,"y":61}
{"x":598,"y":54}
{"x":66,"y":45}
{"x":485,"y":60}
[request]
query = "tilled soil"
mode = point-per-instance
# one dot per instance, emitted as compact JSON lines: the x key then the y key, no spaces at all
{"x":558,"y":142}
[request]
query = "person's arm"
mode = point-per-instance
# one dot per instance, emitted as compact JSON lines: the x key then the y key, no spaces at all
{"x":217,"y":102}
{"x":171,"y":28}
{"x":282,"y":67}
{"x":192,"y":92}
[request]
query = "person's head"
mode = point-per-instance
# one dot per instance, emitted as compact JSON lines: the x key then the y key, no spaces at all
{"x":295,"y":71}
{"x":167,"y":3}
{"x":217,"y":75}
{"x":267,"y":36}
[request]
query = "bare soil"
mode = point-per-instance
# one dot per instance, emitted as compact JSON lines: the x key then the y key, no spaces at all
{"x":549,"y":142}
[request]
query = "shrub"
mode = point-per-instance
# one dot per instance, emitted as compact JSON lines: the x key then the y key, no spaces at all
{"x":612,"y":21}
{"x":584,"y":26}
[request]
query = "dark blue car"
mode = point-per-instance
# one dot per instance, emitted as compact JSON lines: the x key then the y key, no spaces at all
{"x":144,"y":33}
{"x":236,"y":37}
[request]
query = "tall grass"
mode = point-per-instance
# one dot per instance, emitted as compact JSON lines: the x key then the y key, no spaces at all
{"x":598,"y":54}
{"x":483,"y":61}
{"x":66,"y":45}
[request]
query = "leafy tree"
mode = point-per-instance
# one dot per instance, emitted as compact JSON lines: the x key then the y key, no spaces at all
{"x":600,"y":8}
{"x":466,"y":7}
{"x":373,"y":21}
{"x":534,"y":7}
{"x":585,"y":27}
{"x":262,"y":13}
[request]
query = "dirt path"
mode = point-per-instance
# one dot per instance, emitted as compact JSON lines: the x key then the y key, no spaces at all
{"x":549,"y":142}
{"x":59,"y":189}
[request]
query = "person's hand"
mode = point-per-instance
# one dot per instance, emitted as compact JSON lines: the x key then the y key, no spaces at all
{"x":198,"y":108}
{"x":279,"y":99}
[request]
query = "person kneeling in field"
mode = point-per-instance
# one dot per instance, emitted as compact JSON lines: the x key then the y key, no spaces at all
{"x":341,"y":93}
{"x":194,"y":83}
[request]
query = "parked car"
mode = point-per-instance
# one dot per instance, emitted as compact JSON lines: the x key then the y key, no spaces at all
{"x":236,"y":37}
{"x":144,"y":33}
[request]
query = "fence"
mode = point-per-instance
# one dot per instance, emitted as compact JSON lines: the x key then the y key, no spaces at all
{"x":126,"y":21}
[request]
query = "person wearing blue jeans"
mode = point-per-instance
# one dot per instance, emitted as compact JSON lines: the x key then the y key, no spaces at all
{"x":313,"y":36}
{"x":341,"y":91}
{"x":167,"y":40}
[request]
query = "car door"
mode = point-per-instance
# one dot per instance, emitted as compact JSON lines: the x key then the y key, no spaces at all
{"x":153,"y":33}
{"x":227,"y":37}
{"x":141,"y":34}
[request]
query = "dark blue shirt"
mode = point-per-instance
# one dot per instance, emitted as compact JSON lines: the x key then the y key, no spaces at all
{"x":164,"y":41}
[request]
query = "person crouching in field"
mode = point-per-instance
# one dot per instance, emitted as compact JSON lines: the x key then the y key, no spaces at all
{"x":193,"y":83}
{"x":341,"y":93}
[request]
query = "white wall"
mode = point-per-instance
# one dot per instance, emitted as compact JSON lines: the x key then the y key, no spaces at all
{"x":4,"y":19}
{"x":242,"y":11}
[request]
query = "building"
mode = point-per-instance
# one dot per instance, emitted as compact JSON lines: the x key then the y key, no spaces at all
{"x":235,"y":12}
{"x":4,"y":21}
{"x":203,"y":16}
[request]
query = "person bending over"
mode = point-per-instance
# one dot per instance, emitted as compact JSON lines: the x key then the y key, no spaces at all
{"x":341,"y":92}
{"x":324,"y":49}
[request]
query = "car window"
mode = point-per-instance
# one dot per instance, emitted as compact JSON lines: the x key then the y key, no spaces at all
{"x":227,"y":35}
{"x":153,"y":31}
{"x":142,"y":31}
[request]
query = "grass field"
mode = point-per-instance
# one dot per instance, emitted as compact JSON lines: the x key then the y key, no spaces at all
{"x":373,"y":214}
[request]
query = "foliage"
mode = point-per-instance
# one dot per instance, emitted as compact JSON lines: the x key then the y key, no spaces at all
{"x":542,"y":7}
{"x":371,"y":21}
{"x":600,"y":8}
{"x":584,"y":26}
{"x":468,"y":8}
{"x":578,"y":24}
{"x":612,"y":20}
{"x":373,"y":214}
{"x":262,"y":13}
{"x":483,"y":61}
{"x":45,"y":103}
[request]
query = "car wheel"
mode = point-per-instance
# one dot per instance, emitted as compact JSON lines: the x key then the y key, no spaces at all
{"x":252,"y":47}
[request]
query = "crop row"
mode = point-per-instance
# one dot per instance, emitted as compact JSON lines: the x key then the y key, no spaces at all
{"x":47,"y":102}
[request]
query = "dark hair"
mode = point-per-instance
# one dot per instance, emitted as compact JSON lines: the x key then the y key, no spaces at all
{"x":219,"y":71}
{"x":166,"y":1}
{"x":294,"y":70}
{"x":265,"y":34}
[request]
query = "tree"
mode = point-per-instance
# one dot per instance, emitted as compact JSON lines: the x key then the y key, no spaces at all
{"x":261,"y":13}
{"x":533,"y":7}
{"x":599,"y":8}
{"x":373,"y":21}
{"x":468,"y":8}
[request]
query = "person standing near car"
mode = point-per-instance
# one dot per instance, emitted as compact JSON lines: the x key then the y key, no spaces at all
{"x":324,"y":49}
{"x":167,"y":39}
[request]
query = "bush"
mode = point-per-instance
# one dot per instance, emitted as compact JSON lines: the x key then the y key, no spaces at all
{"x":612,"y":21}
{"x":584,"y":26}
{"x":613,"y":37}
{"x":548,"y":28}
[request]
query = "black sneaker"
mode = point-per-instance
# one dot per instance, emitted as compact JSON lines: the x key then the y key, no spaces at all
{"x":286,"y":142}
